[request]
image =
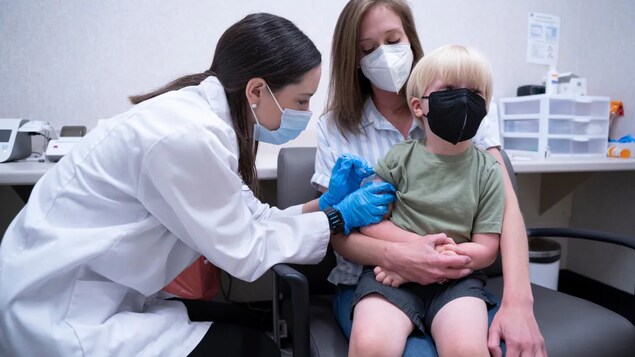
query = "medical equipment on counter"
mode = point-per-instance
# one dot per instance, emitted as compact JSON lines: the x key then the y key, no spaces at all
{"x":60,"y":147}
{"x":14,"y":144}
{"x":38,"y":127}
{"x":15,"y":137}
{"x":69,"y":136}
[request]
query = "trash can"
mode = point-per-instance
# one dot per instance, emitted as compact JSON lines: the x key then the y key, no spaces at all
{"x":544,"y":262}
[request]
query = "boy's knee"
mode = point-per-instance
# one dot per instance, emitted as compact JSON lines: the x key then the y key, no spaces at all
{"x":463,"y":347}
{"x":373,"y":343}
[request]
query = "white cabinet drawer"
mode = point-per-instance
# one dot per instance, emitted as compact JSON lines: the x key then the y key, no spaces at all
{"x":577,"y":146}
{"x":544,"y":125}
{"x":578,"y":126}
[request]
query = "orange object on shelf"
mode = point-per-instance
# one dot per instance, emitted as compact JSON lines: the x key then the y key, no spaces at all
{"x":615,"y":151}
{"x":617,"y":109}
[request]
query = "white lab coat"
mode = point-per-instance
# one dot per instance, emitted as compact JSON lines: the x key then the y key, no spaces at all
{"x":134,"y":204}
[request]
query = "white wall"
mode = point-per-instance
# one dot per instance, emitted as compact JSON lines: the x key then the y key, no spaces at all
{"x":74,"y":62}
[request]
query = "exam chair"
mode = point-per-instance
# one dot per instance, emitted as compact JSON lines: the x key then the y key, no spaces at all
{"x":302,"y":296}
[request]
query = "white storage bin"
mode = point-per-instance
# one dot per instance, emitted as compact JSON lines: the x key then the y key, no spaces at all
{"x":542,"y":125}
{"x":523,"y":107}
{"x":594,"y":127}
{"x":588,"y":146}
{"x":560,"y":146}
{"x":561,"y":107}
{"x":521,"y":125}
{"x":560,"y":126}
{"x":522,"y":144}
{"x":578,"y":126}
{"x":576,"y":146}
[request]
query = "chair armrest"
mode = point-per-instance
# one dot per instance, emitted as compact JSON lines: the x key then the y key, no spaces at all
{"x":299,"y":293}
{"x":587,"y":234}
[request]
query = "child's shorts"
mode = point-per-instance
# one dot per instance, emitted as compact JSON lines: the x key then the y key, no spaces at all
{"x":421,"y":303}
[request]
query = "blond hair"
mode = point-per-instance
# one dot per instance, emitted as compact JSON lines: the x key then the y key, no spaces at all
{"x":349,"y":88}
{"x":451,"y":64}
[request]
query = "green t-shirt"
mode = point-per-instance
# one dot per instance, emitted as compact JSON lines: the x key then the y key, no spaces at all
{"x":458,"y":195}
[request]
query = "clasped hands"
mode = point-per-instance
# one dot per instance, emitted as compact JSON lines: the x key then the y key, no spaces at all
{"x":425,"y":260}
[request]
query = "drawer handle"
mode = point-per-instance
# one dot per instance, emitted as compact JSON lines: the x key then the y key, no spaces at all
{"x":582,"y":120}
{"x":581,"y":139}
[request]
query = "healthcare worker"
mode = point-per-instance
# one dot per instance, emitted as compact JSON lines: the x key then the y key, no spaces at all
{"x":146,"y":192}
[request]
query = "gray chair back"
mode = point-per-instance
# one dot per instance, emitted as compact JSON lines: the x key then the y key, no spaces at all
{"x":295,"y":168}
{"x":296,"y":165}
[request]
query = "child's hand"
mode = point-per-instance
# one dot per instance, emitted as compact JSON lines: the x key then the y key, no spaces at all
{"x":389,"y":278}
{"x":446,"y":249}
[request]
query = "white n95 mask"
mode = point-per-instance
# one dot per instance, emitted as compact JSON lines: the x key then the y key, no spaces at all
{"x":388,"y":67}
{"x":292,"y":123}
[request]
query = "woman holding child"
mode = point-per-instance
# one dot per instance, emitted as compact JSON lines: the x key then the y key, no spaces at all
{"x":375,"y":46}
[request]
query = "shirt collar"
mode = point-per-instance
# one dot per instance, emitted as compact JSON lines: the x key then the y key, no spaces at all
{"x":214,"y":93}
{"x":372,"y":116}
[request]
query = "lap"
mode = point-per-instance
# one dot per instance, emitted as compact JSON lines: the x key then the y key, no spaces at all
{"x":422,"y":303}
{"x":416,"y":345}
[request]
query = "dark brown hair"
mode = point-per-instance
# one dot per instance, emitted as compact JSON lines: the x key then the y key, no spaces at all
{"x":349,"y":88}
{"x":260,"y":45}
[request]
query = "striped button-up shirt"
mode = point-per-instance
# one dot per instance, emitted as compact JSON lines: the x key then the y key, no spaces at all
{"x":377,"y":136}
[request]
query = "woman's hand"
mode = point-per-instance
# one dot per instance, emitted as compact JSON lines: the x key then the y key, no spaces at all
{"x":417,"y":260}
{"x":515,"y":323}
{"x":394,"y":279}
{"x":446,"y":248}
{"x":346,"y":177}
{"x":366,"y":206}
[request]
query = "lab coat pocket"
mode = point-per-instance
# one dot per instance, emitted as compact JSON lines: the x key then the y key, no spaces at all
{"x":94,"y":302}
{"x":102,"y":315}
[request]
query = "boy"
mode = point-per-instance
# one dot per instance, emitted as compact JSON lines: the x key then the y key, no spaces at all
{"x":444,"y":185}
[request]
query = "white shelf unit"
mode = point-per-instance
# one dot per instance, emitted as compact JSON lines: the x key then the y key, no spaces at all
{"x":541,"y":126}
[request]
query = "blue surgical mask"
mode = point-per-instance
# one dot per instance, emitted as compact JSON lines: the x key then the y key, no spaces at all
{"x":292,"y":123}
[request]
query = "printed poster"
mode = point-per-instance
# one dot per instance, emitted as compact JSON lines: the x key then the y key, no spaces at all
{"x":543,"y":38}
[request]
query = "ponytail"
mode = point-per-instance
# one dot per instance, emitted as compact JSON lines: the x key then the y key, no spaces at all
{"x":185,"y":81}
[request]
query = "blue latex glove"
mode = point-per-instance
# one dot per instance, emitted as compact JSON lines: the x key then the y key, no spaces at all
{"x":346,"y":176}
{"x":367,"y":205}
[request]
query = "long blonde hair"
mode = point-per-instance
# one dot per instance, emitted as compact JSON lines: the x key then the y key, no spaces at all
{"x":451,"y":64}
{"x":349,"y":88}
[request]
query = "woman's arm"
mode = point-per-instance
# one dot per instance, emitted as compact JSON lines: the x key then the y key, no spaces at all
{"x":388,"y":231}
{"x":311,"y":206}
{"x":415,"y":260}
{"x":514,"y":322}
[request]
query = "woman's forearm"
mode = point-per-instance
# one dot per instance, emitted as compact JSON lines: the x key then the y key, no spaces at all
{"x":388,"y":231}
{"x":311,"y":206}
{"x":513,"y":246}
{"x":515,"y":256}
{"x":361,"y":249}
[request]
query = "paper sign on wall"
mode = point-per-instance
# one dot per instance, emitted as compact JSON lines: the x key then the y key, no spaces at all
{"x":542,"y":39}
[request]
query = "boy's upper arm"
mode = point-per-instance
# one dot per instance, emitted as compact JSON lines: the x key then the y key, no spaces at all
{"x":491,"y":206}
{"x":385,"y":168}
{"x":488,"y":240}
